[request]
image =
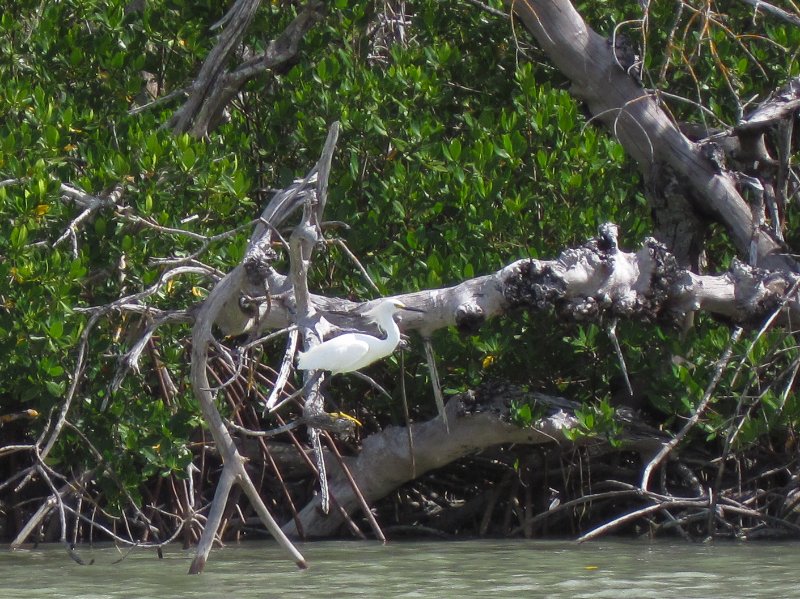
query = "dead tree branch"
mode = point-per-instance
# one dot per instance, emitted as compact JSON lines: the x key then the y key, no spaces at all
{"x":774,"y":11}
{"x":668,"y":160}
{"x":253,"y":272}
{"x":215,"y":85}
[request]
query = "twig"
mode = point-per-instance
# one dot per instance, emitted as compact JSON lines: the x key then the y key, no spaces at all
{"x":268,"y":433}
{"x":531,"y":520}
{"x":355,"y":260}
{"x":77,"y":376}
{"x":489,"y":9}
{"x":191,"y":259}
{"x":158,"y":101}
{"x":437,"y":387}
{"x":368,"y":379}
{"x":698,"y":413}
{"x":407,"y":416}
{"x":612,"y":333}
{"x":636,"y":514}
{"x":130,"y":302}
{"x":770,"y":9}
{"x":90,"y":204}
{"x":285,"y":370}
{"x":363,"y":502}
{"x":700,"y":107}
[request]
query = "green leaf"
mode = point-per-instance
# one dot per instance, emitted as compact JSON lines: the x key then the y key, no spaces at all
{"x":455,"y":149}
{"x":51,"y":136}
{"x":525,"y":415}
{"x":19,"y":235}
{"x":542,"y":158}
{"x":56,"y":329}
{"x":55,"y":389}
{"x":188,"y":158}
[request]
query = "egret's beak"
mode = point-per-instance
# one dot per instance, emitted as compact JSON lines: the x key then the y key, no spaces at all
{"x":410,"y":309}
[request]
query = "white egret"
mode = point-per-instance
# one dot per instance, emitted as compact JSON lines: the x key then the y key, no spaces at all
{"x":353,"y":351}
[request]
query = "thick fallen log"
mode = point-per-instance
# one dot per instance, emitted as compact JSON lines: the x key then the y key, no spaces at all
{"x":477,"y":419}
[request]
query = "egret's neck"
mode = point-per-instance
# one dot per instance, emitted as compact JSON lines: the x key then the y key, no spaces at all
{"x":392,"y":333}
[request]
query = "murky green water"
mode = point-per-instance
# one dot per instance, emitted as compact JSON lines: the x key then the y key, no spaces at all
{"x":484,"y":569}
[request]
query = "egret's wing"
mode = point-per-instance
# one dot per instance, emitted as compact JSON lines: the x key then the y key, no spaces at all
{"x":336,"y":355}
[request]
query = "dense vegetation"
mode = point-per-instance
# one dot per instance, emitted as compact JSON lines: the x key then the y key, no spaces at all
{"x":461,"y":150}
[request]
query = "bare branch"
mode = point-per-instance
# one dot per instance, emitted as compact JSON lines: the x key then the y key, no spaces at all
{"x":435,"y":383}
{"x":215,"y":86}
{"x":158,"y":101}
{"x":722,"y":363}
{"x":488,"y":9}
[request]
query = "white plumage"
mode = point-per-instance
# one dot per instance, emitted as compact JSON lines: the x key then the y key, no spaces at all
{"x":353,"y":351}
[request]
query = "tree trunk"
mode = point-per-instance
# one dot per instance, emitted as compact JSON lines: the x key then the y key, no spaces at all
{"x":676,"y":171}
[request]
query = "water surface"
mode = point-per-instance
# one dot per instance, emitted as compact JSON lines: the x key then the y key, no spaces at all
{"x":463,"y":569}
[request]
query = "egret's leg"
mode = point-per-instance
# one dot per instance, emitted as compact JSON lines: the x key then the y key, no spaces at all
{"x":407,"y":415}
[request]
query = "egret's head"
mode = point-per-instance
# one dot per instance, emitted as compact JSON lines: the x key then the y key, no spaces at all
{"x":386,"y":309}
